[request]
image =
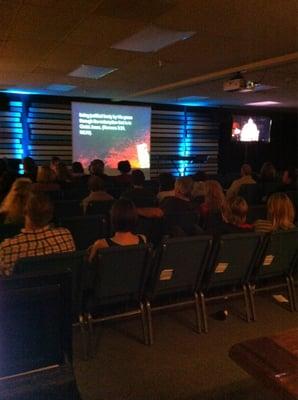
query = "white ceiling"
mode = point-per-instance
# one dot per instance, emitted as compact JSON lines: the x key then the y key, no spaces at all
{"x":42,"y":41}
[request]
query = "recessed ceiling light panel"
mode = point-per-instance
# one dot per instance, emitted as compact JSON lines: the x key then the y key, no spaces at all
{"x":263,"y":103}
{"x":152,"y":39}
{"x":91,"y":71}
{"x":60,"y":88}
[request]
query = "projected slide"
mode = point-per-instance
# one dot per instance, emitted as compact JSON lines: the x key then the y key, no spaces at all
{"x":111,"y":133}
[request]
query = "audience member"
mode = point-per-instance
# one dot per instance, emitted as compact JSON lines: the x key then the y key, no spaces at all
{"x":54,"y":164}
{"x":12,"y":207}
{"x":30,"y":168}
{"x":180,"y":217}
{"x":289,"y":180}
{"x":124,"y":168}
{"x":280,"y":214}
{"x":63,"y":175}
{"x":212,"y":211}
{"x":246,"y":179}
{"x":77,"y":170}
{"x":97,"y":167}
{"x":45,"y":181}
{"x":236,"y":217}
{"x":124,"y":219}
{"x":142,"y":197}
{"x":97,"y":193}
{"x":166,"y":186}
{"x":37,"y":238}
{"x":6,"y":179}
{"x":267,"y":173}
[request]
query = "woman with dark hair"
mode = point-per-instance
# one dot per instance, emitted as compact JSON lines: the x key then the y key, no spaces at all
{"x":124,"y":168}
{"x":30,"y":168}
{"x":166,"y":186}
{"x":77,"y":169}
{"x":124,"y":219}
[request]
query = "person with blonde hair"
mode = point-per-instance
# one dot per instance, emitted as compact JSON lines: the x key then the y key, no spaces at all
{"x":280,"y":214}
{"x":246,"y":179}
{"x":45,"y":181}
{"x":12,"y":207}
{"x":236,"y":214}
{"x":213,"y":210}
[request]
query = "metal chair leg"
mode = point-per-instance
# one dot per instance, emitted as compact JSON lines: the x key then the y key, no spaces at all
{"x":198,"y":316}
{"x":247,"y":304}
{"x":91,"y":334}
{"x":149,"y":317}
{"x":290,"y":294}
{"x":84,"y":336}
{"x":143,"y":317}
{"x":252,"y":302}
{"x":204,"y":314}
{"x":292,"y":282}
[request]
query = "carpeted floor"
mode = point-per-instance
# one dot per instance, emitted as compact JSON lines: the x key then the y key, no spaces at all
{"x":181,"y":364}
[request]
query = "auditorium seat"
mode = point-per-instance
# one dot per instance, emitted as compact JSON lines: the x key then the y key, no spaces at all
{"x":86,"y":229}
{"x":231,"y":263}
{"x":118,"y":284}
{"x":276,"y":263}
{"x":36,"y":337}
{"x":251,"y":193}
{"x":67,"y":208}
{"x":179,"y":264}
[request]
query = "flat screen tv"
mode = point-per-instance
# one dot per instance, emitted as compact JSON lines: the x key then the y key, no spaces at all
{"x":247,"y":128}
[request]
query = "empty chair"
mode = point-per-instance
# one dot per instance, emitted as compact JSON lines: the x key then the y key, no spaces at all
{"x":36,"y":337}
{"x":67,"y":208}
{"x":179,"y":264}
{"x":86,"y":229}
{"x":276,"y":263}
{"x":231,"y":263}
{"x":99,"y":207}
{"x":251,"y":193}
{"x":118,"y":284}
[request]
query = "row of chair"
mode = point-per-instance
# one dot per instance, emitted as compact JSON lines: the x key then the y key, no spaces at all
{"x":192,"y":270}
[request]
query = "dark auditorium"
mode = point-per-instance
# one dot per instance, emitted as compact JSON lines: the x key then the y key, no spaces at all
{"x":149,"y":200}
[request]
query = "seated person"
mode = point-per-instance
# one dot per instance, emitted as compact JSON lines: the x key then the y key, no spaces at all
{"x":267,"y":173}
{"x":289,"y":180}
{"x":180,"y":216}
{"x":63,"y":174}
{"x":236,"y":217}
{"x":30,"y":168}
{"x":213,"y":209}
{"x":124,"y":219}
{"x":140,"y":196}
{"x":97,"y":168}
{"x":246,"y":179}
{"x":124,"y":168}
{"x":45,"y":181}
{"x":280,"y":214}
{"x":166,"y":186}
{"x":97,"y":193}
{"x":77,"y":170}
{"x":38,"y":238}
{"x":12,"y":207}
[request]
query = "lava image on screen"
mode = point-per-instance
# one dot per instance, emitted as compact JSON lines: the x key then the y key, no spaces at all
{"x":111,"y":133}
{"x":251,"y":129}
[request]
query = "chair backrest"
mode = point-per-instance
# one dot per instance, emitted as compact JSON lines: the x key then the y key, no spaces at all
{"x":67,"y":208}
{"x":256,"y":212}
{"x":120,"y":274}
{"x":187,"y":223}
{"x":179,"y":265}
{"x":86,"y":229}
{"x":233,"y":258}
{"x":152,"y":228}
{"x":35,"y":329}
{"x":57,"y":263}
{"x":251,"y":193}
{"x":279,"y":255}
{"x":99,"y":207}
{"x":9,"y":230}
